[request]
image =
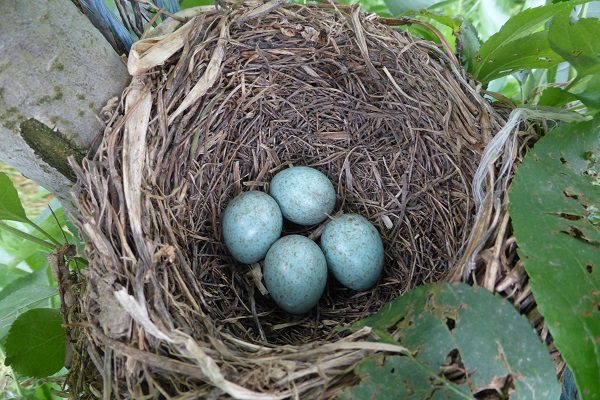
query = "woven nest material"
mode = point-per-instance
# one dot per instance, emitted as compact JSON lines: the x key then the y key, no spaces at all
{"x":217,"y":107}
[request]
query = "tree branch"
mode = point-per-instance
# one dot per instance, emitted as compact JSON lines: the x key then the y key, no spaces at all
{"x":56,"y":73}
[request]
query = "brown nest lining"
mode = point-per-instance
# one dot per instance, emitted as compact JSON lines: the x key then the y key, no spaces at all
{"x":248,"y":91}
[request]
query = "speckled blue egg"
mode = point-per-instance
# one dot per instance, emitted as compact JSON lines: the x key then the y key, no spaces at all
{"x":353,"y":250}
{"x":295,"y":273}
{"x":251,"y":223}
{"x":304,"y":194}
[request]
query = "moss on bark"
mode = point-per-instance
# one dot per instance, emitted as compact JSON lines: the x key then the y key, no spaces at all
{"x":51,"y":146}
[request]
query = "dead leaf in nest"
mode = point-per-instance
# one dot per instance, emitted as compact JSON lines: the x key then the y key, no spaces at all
{"x":113,"y":319}
{"x":167,"y":253}
{"x":309,"y":33}
{"x":148,"y":53}
{"x":287,"y":32}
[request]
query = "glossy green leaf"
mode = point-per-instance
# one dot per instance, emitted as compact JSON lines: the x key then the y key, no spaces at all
{"x":35,"y":345}
{"x":578,"y":43}
{"x":519,"y":38}
{"x":10,"y":204}
{"x":445,"y":320}
{"x":21,"y":295}
{"x":555,"y":195}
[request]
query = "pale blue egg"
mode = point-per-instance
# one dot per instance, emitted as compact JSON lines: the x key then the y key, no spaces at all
{"x":353,"y":250}
{"x":304,"y":194}
{"x":252,"y":222}
{"x":295,"y":273}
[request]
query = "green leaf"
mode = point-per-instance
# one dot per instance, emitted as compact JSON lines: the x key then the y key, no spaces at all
{"x":11,"y":208}
{"x":577,"y":43}
{"x":491,"y":60}
{"x":458,"y":321}
{"x":48,"y":222}
{"x":398,"y":7}
{"x":421,"y":32}
{"x":393,"y":378}
{"x":532,"y":51}
{"x":555,"y":97}
{"x":24,"y":235}
{"x":10,"y":204}
{"x":452,"y":22}
{"x":195,"y":3}
{"x":590,"y":94}
{"x":586,"y":90}
{"x":33,"y":253}
{"x":21,"y":295}
{"x":35,"y":345}
{"x":44,"y":391}
{"x":468,"y":43}
{"x":9,"y":274}
{"x":380,"y":9}
{"x":555,"y":195}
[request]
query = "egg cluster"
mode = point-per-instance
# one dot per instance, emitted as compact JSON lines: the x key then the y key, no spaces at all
{"x":295,"y":267}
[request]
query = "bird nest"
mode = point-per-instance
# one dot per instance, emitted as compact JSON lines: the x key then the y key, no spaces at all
{"x":218,"y":106}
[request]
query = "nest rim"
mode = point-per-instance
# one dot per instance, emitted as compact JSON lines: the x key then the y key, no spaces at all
{"x":100,"y":177}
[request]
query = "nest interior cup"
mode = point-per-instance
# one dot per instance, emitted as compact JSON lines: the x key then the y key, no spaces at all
{"x":238,"y":94}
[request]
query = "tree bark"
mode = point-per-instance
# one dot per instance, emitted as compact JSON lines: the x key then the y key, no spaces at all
{"x":56,"y":73}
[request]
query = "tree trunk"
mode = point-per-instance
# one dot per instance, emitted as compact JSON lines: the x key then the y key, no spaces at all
{"x":56,"y":73}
